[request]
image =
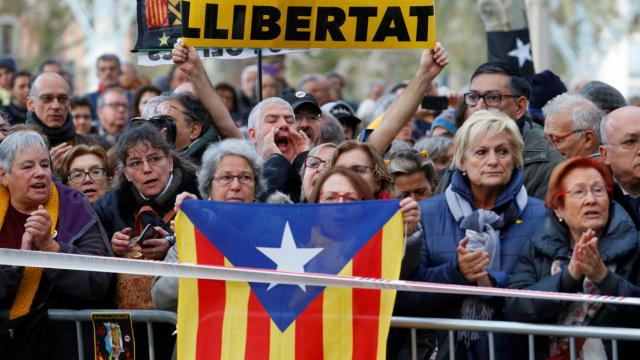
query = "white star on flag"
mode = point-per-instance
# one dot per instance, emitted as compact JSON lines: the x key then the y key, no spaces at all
{"x":522,"y":52}
{"x":288,"y":257}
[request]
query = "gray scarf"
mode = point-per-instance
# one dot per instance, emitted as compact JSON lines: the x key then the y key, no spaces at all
{"x":482,"y":228}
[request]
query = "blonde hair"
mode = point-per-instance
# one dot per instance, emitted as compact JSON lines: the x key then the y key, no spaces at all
{"x":486,"y":123}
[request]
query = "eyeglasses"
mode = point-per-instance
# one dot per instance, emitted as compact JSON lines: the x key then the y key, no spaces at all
{"x":491,"y":99}
{"x":555,"y":140}
{"x":244,"y":178}
{"x":153,"y":160}
{"x":63,"y":99}
{"x":334,"y":196}
{"x":315,"y":162}
{"x":361,"y":169}
{"x":419,"y":192}
{"x":165,"y":108}
{"x":581,"y":193}
{"x":308,"y":116}
{"x":78,"y":176}
{"x":115,"y":105}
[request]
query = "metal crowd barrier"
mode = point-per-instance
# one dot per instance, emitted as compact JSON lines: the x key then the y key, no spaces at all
{"x":491,"y":327}
{"x":147,"y":316}
{"x":450,"y":325}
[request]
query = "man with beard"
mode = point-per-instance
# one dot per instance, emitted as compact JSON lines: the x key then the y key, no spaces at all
{"x":272,"y":128}
{"x":50,"y":110}
{"x":307,"y":113}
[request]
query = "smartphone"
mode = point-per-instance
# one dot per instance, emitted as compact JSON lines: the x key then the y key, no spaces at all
{"x":149,"y":232}
{"x":435,"y":102}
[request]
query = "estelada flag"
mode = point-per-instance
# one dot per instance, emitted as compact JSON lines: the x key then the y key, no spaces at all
{"x":159,"y":24}
{"x":236,"y":320}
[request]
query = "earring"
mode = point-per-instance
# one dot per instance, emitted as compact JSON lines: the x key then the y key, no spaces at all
{"x":464,"y":173}
{"x":560,"y":219}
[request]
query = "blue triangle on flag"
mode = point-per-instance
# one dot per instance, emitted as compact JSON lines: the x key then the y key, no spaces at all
{"x":339,"y":230}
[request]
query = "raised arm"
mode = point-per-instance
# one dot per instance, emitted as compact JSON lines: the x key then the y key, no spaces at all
{"x":187,"y":60}
{"x":404,"y":107}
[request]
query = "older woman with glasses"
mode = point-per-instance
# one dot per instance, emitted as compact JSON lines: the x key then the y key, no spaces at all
{"x":151,"y":179}
{"x":316,"y":162}
{"x":587,"y":244}
{"x":86,"y":169}
{"x":231,"y":171}
{"x":473,"y":232}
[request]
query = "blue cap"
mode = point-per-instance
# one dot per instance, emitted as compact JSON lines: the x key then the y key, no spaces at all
{"x":443,"y":123}
{"x":446,"y":120}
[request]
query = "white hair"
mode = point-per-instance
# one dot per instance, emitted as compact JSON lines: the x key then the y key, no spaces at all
{"x":19,"y":141}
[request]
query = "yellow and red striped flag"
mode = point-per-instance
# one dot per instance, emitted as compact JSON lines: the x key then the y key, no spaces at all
{"x":156,"y":13}
{"x":239,"y":320}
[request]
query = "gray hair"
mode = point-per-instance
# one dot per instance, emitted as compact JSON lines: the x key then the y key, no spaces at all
{"x":309,"y":77}
{"x":144,"y":133}
{"x":435,"y":146}
{"x":585,"y":115}
{"x":118,"y":90}
{"x":246,"y":71}
{"x":407,"y":162}
{"x":256,"y":113}
{"x":603,"y":129}
{"x":214,"y":154}
{"x":108,"y":58}
{"x":331,"y":131}
{"x":151,"y":107}
{"x":19,"y":141}
{"x":396,"y":145}
{"x":313,"y":152}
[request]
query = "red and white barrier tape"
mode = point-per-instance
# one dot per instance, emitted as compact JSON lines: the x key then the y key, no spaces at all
{"x":157,"y":268}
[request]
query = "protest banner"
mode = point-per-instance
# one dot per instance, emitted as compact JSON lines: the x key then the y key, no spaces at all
{"x":358,"y":24}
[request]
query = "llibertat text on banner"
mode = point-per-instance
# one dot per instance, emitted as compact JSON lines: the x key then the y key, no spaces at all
{"x":357,"y":24}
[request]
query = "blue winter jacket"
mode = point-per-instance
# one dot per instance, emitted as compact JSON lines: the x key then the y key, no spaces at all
{"x":442,"y":235}
{"x":440,"y":265}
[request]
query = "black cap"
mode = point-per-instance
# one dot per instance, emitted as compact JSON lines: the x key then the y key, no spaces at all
{"x":8,"y":62}
{"x":300,"y":98}
{"x":342,"y":111}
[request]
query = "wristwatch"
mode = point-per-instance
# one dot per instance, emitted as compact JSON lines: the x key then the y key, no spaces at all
{"x":171,"y":238}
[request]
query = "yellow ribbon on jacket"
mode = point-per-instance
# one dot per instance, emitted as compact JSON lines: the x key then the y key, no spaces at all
{"x":31,"y":277}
